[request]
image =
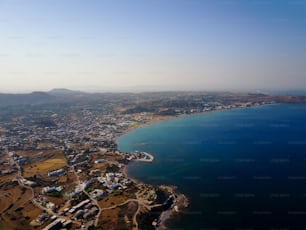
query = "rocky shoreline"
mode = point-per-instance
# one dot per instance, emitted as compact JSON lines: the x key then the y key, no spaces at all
{"x":173,"y":202}
{"x":180,"y":202}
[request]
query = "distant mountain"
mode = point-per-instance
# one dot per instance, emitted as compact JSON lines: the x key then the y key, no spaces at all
{"x":59,"y":95}
{"x":65,"y":92}
{"x":297,"y":92}
{"x":22,"y":99}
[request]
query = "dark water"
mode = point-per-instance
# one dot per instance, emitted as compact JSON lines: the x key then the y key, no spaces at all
{"x":241,"y":169}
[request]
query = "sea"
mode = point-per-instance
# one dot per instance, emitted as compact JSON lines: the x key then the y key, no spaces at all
{"x":240,"y":169}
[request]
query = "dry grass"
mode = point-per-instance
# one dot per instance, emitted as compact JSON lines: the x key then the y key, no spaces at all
{"x":101,"y":166}
{"x":6,"y":178}
{"x":118,"y":218}
{"x":10,"y":195}
{"x":63,"y":179}
{"x":55,"y":200}
{"x":31,"y":210}
{"x":112,"y":200}
{"x":110,"y":157}
{"x":32,"y":153}
{"x":109,"y":218}
{"x":44,"y":167}
{"x":16,"y":209}
{"x":71,"y":177}
{"x":29,"y":153}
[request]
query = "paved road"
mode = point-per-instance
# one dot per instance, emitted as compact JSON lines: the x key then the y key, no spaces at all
{"x":92,"y":199}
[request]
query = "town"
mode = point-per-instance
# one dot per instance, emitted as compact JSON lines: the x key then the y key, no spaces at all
{"x":60,"y":166}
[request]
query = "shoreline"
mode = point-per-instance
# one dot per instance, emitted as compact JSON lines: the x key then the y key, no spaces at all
{"x":124,"y":171}
{"x":181,"y":200}
{"x":164,"y":215}
{"x":149,"y":158}
{"x":160,"y":118}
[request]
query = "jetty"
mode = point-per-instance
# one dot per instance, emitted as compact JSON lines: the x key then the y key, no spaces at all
{"x":143,"y":156}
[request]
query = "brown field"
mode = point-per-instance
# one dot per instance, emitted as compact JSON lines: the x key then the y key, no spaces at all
{"x":70,"y":177}
{"x":31,"y":153}
{"x":69,"y":187}
{"x":118,"y":218}
{"x":6,"y":178}
{"x":109,"y":218}
{"x":112,"y":200}
{"x":40,"y":168}
{"x":101,"y":166}
{"x":3,"y":225}
{"x":31,"y":211}
{"x":14,"y":196}
{"x":55,"y":200}
{"x":110,"y":157}
{"x":63,"y":179}
{"x":28,"y":153}
{"x":37,"y":190}
{"x":16,"y":210}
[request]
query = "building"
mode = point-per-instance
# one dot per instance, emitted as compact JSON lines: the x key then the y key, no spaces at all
{"x":58,"y":172}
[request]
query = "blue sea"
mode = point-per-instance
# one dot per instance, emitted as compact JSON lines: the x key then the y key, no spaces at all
{"x":240,"y":169}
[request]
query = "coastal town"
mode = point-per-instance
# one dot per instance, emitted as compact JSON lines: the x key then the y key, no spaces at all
{"x":61,"y":168}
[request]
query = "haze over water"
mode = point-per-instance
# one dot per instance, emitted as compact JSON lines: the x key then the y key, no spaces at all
{"x":242,"y":168}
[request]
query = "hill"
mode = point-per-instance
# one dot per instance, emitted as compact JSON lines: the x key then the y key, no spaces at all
{"x":22,"y":99}
{"x":65,"y":92}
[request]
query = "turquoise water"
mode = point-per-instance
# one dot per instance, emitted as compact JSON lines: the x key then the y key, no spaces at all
{"x":241,"y":169}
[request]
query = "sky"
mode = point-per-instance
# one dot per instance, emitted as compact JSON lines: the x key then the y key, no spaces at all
{"x":97,"y":45}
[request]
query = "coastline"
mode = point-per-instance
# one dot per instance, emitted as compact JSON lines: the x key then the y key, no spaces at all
{"x":181,"y":200}
{"x":124,"y":171}
{"x":160,"y":118}
{"x":154,"y":120}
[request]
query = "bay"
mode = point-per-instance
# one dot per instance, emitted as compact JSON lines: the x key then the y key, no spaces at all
{"x":240,"y":169}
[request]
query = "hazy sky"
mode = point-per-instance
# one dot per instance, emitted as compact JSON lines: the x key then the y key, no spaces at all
{"x":166,"y":44}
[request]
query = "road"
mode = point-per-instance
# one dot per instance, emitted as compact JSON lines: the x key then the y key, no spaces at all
{"x":20,"y":179}
{"x":92,"y":199}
